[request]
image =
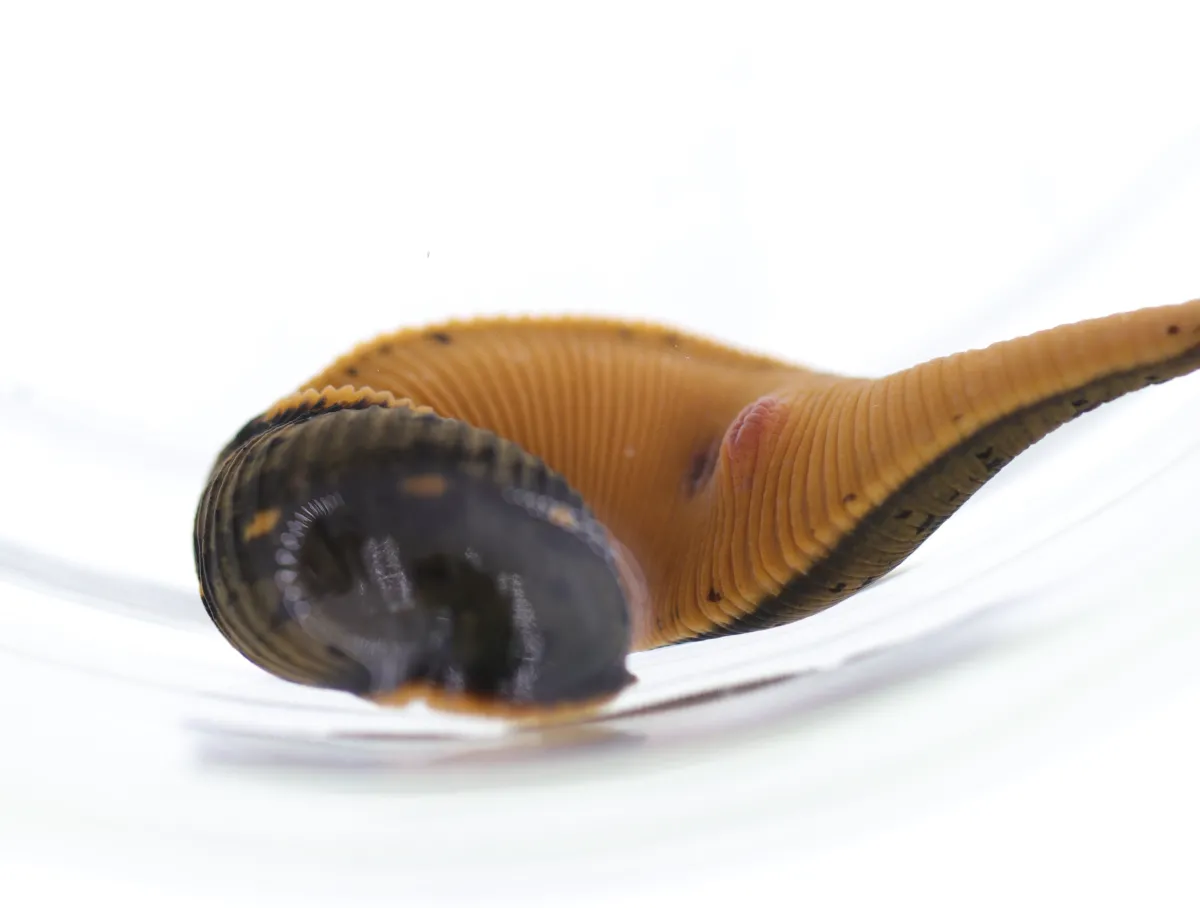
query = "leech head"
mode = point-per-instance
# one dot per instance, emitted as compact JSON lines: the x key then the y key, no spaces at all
{"x":757,"y":423}
{"x":391,"y":562}
{"x":751,"y":436}
{"x":745,"y":440}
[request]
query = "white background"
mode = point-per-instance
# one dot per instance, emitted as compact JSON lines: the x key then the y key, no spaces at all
{"x":201,"y":204}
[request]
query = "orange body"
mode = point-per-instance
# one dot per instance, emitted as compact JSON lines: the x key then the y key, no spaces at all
{"x":749,"y":491}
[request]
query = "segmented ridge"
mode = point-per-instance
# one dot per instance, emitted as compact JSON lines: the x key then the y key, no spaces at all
{"x":891,"y":532}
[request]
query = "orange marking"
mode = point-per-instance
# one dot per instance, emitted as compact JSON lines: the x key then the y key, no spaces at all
{"x":263,"y":523}
{"x":427,"y":485}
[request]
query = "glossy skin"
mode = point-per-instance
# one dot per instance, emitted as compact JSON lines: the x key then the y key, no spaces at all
{"x":744,"y":492}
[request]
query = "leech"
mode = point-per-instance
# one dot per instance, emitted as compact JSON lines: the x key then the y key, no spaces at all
{"x":489,"y":537}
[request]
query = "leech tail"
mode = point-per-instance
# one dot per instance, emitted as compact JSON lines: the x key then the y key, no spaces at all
{"x":910,"y":449}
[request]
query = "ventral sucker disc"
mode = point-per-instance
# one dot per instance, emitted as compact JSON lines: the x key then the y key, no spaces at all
{"x":421,"y":558}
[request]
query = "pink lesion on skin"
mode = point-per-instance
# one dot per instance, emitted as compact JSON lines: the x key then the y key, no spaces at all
{"x":744,"y":438}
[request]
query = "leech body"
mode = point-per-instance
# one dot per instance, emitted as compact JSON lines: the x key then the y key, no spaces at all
{"x":702,"y":491}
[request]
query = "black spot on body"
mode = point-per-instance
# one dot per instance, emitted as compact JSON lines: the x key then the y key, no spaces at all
{"x":931,"y":523}
{"x":440,"y":337}
{"x":851,"y":497}
{"x":990,"y":461}
{"x":838,"y":587}
{"x":351,"y":371}
{"x":903,"y":515}
{"x":1172,"y":329}
{"x":713,"y":595}
{"x":701,"y":467}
